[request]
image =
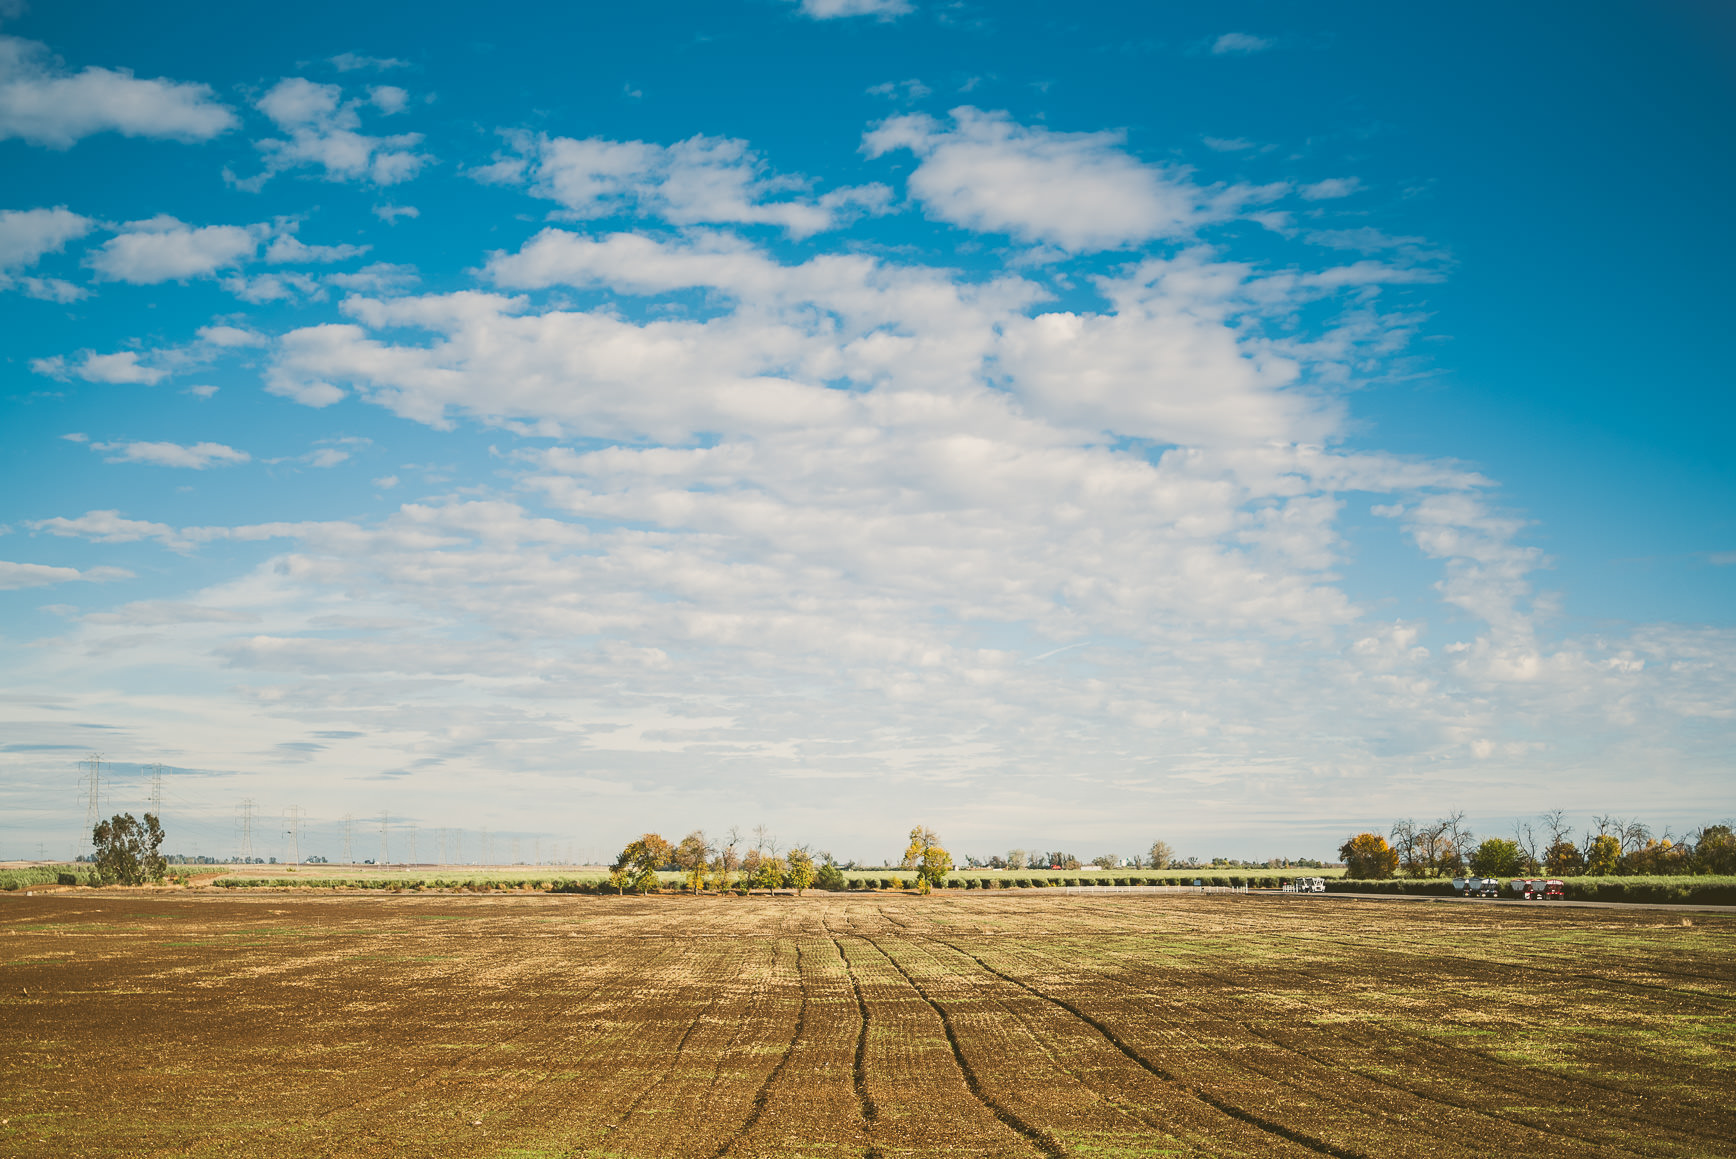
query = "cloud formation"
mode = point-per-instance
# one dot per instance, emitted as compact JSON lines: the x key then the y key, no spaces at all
{"x":197,"y":456}
{"x":1078,"y":191}
{"x":702,"y":180}
{"x":44,"y":104}
{"x":322,"y":131}
{"x":35,"y":575}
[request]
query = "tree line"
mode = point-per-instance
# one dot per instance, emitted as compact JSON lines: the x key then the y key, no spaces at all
{"x":1610,"y":846}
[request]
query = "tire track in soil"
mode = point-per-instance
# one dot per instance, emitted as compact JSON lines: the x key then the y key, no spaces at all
{"x":765,"y":1090}
{"x":1038,"y":1137}
{"x":1300,"y":1138}
{"x":1670,"y":1122}
{"x":858,"y":1065}
{"x":1129,"y":1111}
{"x":1416,"y":1040}
{"x":1205,"y":1014}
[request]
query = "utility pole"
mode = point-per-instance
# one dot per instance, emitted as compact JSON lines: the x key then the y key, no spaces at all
{"x":247,"y":830}
{"x":349,"y":824}
{"x":291,"y":829}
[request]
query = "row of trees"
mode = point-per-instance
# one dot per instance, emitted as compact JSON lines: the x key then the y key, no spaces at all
{"x":1158,"y":857}
{"x":729,"y":865}
{"x":1611,"y":846}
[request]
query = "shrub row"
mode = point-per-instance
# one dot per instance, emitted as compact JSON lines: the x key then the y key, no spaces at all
{"x":1650,"y":890}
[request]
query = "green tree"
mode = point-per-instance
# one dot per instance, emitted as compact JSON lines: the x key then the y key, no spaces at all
{"x":636,"y":868}
{"x":1367,"y":857}
{"x":801,"y":869}
{"x":1497,"y":857}
{"x":1715,"y":850}
{"x":690,"y":857}
{"x":1161,"y":855}
{"x":1563,"y":858}
{"x":127,"y":850}
{"x":924,"y":854}
{"x":831,"y":878}
{"x":1603,"y":856}
{"x":765,"y":870}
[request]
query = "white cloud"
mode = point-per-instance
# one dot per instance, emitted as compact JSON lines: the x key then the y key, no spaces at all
{"x":1332,"y":187}
{"x":379,"y":278}
{"x":286,"y":248}
{"x":35,"y":575}
{"x":28,"y":234}
{"x":1079,"y":191}
{"x":280,"y":287}
{"x":356,"y":62}
{"x":391,"y":213}
{"x":836,"y":9}
{"x":41,"y":102}
{"x":110,"y":527}
{"x":322,"y":132}
{"x":1239,"y":44}
{"x":121,"y":367}
{"x":388,"y":99}
{"x":163,"y":249}
{"x":197,"y":457}
{"x":1228,"y":144}
{"x":909,"y":90}
{"x":696,"y":181}
{"x":52,"y":289}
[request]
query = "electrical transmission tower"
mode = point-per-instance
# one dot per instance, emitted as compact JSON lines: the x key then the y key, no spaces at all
{"x":247,"y":830}
{"x":349,"y":825}
{"x":292,"y":830}
{"x":156,"y":809}
{"x":92,"y":766}
{"x":412,"y":831}
{"x":385,"y":849}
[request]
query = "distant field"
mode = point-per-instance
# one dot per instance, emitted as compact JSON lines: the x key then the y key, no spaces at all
{"x":211,"y":1023}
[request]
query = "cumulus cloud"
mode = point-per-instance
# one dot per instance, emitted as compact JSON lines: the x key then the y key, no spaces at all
{"x":121,"y":367}
{"x":322,"y":131}
{"x":1078,"y":191}
{"x":44,"y":104}
{"x":697,"y":181}
{"x":197,"y":456}
{"x":27,"y":235}
{"x":163,"y":249}
{"x":379,"y":278}
{"x":35,"y":575}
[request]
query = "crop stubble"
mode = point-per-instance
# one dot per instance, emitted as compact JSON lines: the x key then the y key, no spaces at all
{"x":858,"y":1025}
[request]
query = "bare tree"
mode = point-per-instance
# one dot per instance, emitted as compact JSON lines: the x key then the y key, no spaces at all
{"x":1457,"y":844}
{"x":1408,"y":844}
{"x":1634,"y":836}
{"x":1556,"y":826}
{"x":1525,"y":837}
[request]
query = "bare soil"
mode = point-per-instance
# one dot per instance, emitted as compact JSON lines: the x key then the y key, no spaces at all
{"x":143,"y":1023}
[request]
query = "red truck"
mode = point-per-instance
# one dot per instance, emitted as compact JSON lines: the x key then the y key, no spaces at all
{"x":1539,"y":888}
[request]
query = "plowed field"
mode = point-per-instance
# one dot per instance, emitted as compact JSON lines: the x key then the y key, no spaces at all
{"x":137,"y":1024}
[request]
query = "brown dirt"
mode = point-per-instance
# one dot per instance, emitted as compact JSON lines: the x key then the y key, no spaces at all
{"x":174,"y":1023}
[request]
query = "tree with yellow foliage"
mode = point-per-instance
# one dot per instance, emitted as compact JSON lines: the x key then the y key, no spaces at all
{"x":924,"y":854}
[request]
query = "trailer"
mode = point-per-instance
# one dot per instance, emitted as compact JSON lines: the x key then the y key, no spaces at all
{"x":1539,"y":888}
{"x":1478,"y":886}
{"x":1306,"y":885}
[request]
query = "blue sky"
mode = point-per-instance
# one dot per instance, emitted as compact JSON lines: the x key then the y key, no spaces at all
{"x":1241,"y":425}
